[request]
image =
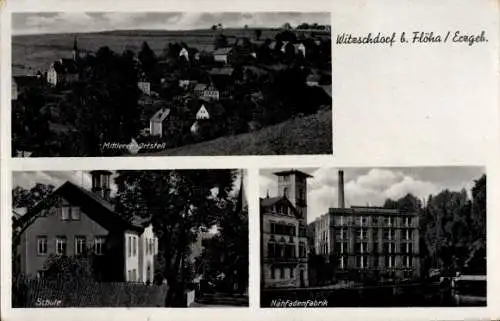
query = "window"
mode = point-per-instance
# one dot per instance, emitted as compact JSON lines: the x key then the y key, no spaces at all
{"x":129,"y":275}
{"x":282,"y":273}
{"x":389,"y":261}
{"x":99,"y":245}
{"x":42,"y":245}
{"x":134,"y":246}
{"x":360,"y":261}
{"x":364,"y":221}
{"x":80,"y":244}
{"x":65,"y":210}
{"x":134,"y":275}
{"x":343,"y":248}
{"x":61,"y":244}
{"x":273,"y":228}
{"x":273,"y":272}
{"x":129,"y":246}
{"x":292,"y":274}
{"x":375,"y":247}
{"x":342,"y":262}
{"x":75,"y":213}
{"x":302,"y":249}
{"x":271,"y":249}
{"x":70,"y":213}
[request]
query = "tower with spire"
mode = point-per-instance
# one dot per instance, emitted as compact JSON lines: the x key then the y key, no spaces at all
{"x":242,"y":201}
{"x":76,"y":52}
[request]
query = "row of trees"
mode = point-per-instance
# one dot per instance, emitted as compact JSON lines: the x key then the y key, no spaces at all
{"x":452,"y":228}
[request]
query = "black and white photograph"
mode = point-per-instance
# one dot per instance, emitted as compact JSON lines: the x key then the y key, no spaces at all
{"x":141,"y":238}
{"x":89,"y":84}
{"x":373,"y":237}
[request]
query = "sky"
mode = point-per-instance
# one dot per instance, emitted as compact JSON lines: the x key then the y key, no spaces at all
{"x":372,"y":186}
{"x":28,"y":179}
{"x":76,"y":22}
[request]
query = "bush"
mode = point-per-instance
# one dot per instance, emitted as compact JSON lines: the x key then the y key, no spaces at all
{"x":62,"y":292}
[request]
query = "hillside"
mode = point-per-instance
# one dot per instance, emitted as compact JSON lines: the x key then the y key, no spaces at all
{"x":31,"y":53}
{"x":307,"y":135}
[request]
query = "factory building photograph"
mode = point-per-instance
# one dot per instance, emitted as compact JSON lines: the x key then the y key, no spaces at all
{"x":333,"y":237}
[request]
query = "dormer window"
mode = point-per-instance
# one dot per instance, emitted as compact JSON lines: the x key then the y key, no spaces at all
{"x":65,"y":213}
{"x":70,"y":213}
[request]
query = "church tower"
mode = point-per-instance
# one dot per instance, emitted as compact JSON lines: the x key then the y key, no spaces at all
{"x":76,"y":52}
{"x":292,"y":184}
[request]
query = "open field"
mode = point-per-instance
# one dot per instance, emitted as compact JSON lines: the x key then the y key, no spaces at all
{"x":308,"y":135}
{"x":36,"y":52}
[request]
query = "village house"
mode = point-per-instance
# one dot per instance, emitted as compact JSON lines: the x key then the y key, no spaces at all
{"x":21,"y":84}
{"x":207,"y":114}
{"x":157,"y":126}
{"x":72,"y":221}
{"x":222,"y":55}
{"x":184,"y":53}
{"x":144,"y":86}
{"x":187,"y":83}
{"x":64,"y":71}
{"x":61,"y":72}
{"x":211,"y":92}
{"x":313,"y":80}
{"x":199,"y":89}
{"x":300,"y":49}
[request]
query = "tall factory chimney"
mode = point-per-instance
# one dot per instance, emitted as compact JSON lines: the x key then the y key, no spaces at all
{"x":341,"y":189}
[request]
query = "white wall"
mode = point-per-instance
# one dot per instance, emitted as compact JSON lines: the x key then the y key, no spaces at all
{"x":132,"y":261}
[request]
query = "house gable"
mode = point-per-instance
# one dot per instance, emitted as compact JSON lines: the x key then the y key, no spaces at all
{"x":202,"y":113}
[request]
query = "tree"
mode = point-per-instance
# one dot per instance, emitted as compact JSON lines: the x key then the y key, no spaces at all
{"x":258,"y":33}
{"x":148,"y":59}
{"x":179,"y":204}
{"x":22,"y":197}
{"x":220,"y":41}
{"x":287,"y":26}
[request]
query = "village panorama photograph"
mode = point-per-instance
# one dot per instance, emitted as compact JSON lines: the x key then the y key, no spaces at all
{"x":155,"y":238}
{"x":373,"y":237}
{"x":90,"y":84}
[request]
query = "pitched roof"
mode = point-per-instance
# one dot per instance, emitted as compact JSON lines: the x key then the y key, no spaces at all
{"x":327,"y":89}
{"x":200,"y":87}
{"x":161,"y":115}
{"x":270,"y":201}
{"x":65,"y":66}
{"x":222,"y":51}
{"x":367,"y":210}
{"x":96,"y":208}
{"x":214,"y":109}
{"x":225,"y":71}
